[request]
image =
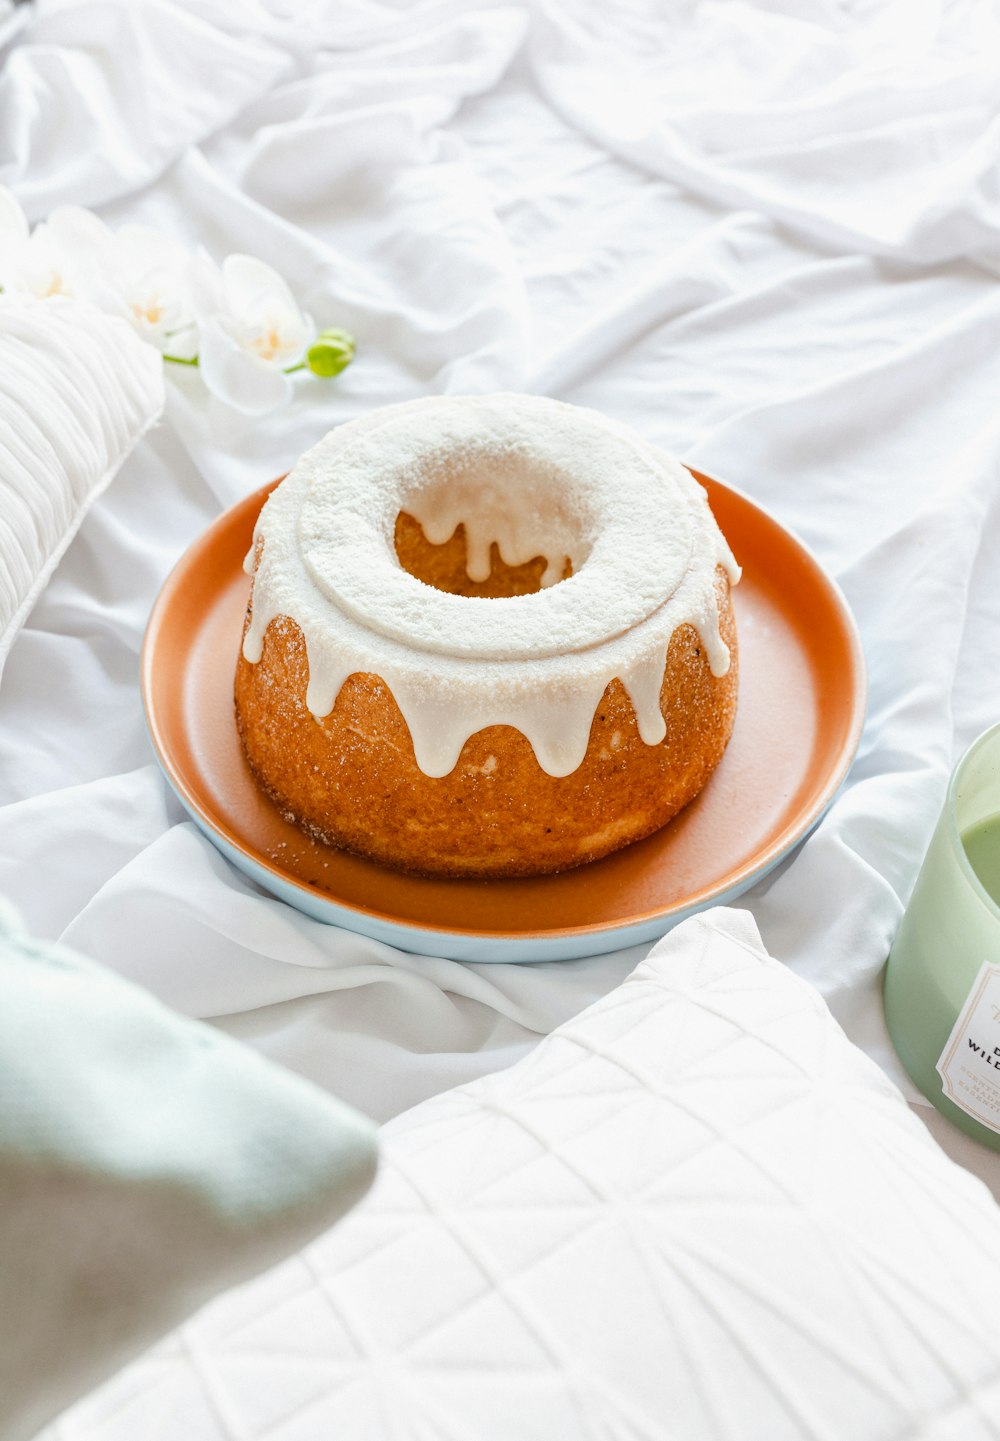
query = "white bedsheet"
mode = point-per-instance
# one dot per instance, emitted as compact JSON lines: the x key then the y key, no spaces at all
{"x":767,"y":235}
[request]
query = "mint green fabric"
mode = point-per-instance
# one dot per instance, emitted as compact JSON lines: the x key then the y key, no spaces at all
{"x":147,"y":1162}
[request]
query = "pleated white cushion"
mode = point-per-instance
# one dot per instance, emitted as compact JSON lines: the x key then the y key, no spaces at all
{"x":77,"y":390}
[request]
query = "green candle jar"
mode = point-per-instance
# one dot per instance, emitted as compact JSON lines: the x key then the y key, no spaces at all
{"x":942,"y":981}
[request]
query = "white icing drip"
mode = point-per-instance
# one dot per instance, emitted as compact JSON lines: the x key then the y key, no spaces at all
{"x":542,"y":477}
{"x":501,"y":509}
{"x":643,"y":684}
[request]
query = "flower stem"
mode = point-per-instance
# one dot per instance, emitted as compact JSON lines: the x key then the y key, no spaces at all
{"x":180,"y":360}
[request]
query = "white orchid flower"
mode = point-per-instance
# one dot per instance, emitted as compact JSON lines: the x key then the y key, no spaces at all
{"x":239,"y":323}
{"x":45,"y":261}
{"x":136,"y":273}
{"x":252,"y":333}
{"x":145,"y":278}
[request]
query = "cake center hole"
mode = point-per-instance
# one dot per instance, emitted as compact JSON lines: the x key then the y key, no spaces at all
{"x":446,"y":567}
{"x":496,"y":532}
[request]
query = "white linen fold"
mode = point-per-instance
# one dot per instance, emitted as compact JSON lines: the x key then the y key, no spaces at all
{"x":99,"y":98}
{"x":872,"y":129}
{"x":379,"y":1028}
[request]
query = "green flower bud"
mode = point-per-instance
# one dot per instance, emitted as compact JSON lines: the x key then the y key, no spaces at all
{"x":332,"y":352}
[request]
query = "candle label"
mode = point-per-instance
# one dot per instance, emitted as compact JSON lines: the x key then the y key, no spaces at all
{"x":970,"y":1063}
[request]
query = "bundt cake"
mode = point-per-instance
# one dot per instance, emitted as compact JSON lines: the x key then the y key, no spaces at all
{"x":487,"y":636}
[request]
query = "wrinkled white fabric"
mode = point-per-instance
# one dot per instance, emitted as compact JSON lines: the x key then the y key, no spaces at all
{"x":766,"y":235}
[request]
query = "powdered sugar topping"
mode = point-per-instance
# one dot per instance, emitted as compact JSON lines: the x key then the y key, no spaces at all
{"x":536,"y":477}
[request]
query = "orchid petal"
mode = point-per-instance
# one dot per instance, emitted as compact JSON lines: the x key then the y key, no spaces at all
{"x":79,"y":231}
{"x":250,"y":283}
{"x":46,"y":267}
{"x":238,"y":377}
{"x":76,"y":243}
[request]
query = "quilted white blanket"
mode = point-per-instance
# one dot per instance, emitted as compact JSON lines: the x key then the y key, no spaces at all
{"x":767,"y":235}
{"x":693,"y":1213}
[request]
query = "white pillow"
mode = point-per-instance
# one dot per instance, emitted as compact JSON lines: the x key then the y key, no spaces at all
{"x":77,"y":390}
{"x":694,"y":1212}
{"x":146,"y":1163}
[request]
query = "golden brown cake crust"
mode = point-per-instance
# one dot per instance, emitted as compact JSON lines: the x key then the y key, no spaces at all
{"x":352,"y":780}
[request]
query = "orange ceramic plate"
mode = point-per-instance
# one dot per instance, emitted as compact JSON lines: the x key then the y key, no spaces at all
{"x":801,"y":708}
